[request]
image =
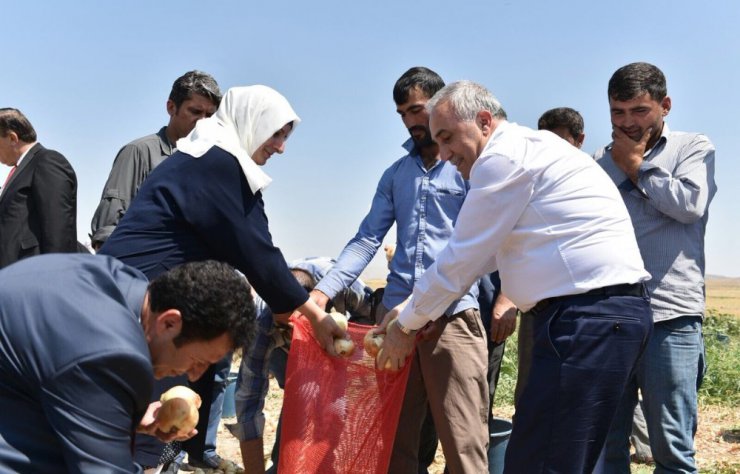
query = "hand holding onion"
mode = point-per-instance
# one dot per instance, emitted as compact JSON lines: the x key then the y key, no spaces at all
{"x":344,"y":347}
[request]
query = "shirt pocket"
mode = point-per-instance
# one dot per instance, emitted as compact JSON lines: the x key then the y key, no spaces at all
{"x":449,"y":198}
{"x":29,"y":242}
{"x":29,"y":246}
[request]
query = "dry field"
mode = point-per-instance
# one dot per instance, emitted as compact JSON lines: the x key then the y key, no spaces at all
{"x":717,"y":440}
{"x":723,"y":295}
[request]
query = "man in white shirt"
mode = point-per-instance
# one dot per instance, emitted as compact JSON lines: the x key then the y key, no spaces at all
{"x":567,"y":256}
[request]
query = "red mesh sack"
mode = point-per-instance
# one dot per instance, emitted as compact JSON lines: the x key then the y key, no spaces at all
{"x":339,"y":414}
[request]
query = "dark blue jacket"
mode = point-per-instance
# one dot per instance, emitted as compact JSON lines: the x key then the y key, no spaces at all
{"x":192,"y":209}
{"x":75,"y":371}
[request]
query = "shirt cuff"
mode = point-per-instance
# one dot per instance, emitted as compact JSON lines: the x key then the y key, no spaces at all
{"x":326,"y":287}
{"x":646,"y":170}
{"x":409,"y":319}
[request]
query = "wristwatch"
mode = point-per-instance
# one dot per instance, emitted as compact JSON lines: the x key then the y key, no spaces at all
{"x":404,"y":329}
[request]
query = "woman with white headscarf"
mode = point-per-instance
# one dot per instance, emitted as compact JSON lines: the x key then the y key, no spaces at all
{"x":205,"y":202}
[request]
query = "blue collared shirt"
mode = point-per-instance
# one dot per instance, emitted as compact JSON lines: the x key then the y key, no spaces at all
{"x":669,"y":211}
{"x":424,"y":205}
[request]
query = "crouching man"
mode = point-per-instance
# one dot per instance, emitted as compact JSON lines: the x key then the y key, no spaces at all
{"x":82,"y":338}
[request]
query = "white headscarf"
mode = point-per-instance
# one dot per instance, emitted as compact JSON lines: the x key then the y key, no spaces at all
{"x":247,"y":118}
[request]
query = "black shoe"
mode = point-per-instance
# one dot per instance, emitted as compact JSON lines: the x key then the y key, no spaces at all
{"x":172,"y":468}
{"x":212,"y":465}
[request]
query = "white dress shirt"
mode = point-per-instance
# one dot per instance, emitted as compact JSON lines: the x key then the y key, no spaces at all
{"x":14,"y":168}
{"x":541,"y":212}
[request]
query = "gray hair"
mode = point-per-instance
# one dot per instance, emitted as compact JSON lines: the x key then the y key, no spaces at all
{"x":467,"y":99}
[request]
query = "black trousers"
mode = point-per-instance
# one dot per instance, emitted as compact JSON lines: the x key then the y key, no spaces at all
{"x":586,"y":347}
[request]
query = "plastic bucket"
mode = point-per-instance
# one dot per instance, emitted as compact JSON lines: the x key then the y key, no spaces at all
{"x":500,"y":430}
{"x":229,"y":409}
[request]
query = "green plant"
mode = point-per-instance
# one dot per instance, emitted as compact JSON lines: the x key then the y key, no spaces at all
{"x":721,"y":468}
{"x":721,"y":384}
{"x":509,"y":367}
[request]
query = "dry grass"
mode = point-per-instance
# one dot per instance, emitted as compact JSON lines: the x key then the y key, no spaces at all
{"x":374,"y":283}
{"x":723,"y":295}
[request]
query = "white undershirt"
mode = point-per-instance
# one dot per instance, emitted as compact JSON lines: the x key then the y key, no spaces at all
{"x":18,"y":163}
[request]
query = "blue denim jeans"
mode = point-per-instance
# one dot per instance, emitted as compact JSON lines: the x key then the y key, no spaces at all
{"x":220,"y":381}
{"x":669,"y":376}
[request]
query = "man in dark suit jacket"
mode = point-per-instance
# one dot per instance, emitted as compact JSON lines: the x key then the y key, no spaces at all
{"x":38,"y":203}
{"x":81,"y":339}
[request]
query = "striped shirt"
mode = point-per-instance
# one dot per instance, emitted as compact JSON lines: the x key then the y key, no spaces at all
{"x":669,"y":211}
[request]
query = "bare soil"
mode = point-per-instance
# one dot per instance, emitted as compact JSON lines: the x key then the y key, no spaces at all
{"x":717,"y":438}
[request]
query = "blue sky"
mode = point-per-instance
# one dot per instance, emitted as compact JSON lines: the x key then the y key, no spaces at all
{"x":94,"y":75}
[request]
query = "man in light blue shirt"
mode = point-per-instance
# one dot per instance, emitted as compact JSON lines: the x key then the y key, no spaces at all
{"x":666,"y":179}
{"x":423,"y":197}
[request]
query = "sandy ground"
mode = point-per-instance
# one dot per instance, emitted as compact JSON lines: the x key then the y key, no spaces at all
{"x":717,"y":438}
{"x":716,"y":442}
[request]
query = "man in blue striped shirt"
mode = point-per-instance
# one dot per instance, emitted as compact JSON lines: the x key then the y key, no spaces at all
{"x":666,"y":179}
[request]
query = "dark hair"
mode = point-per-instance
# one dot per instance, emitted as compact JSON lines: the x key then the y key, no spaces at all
{"x":212,"y":298}
{"x":635,"y":79}
{"x":424,"y":78}
{"x":195,"y":82}
{"x":305,"y":279}
{"x":562,"y":117}
{"x":13,"y":120}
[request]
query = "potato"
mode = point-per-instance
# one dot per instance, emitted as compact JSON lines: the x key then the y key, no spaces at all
{"x":179,"y":410}
{"x":344,"y":347}
{"x":373,"y":343}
